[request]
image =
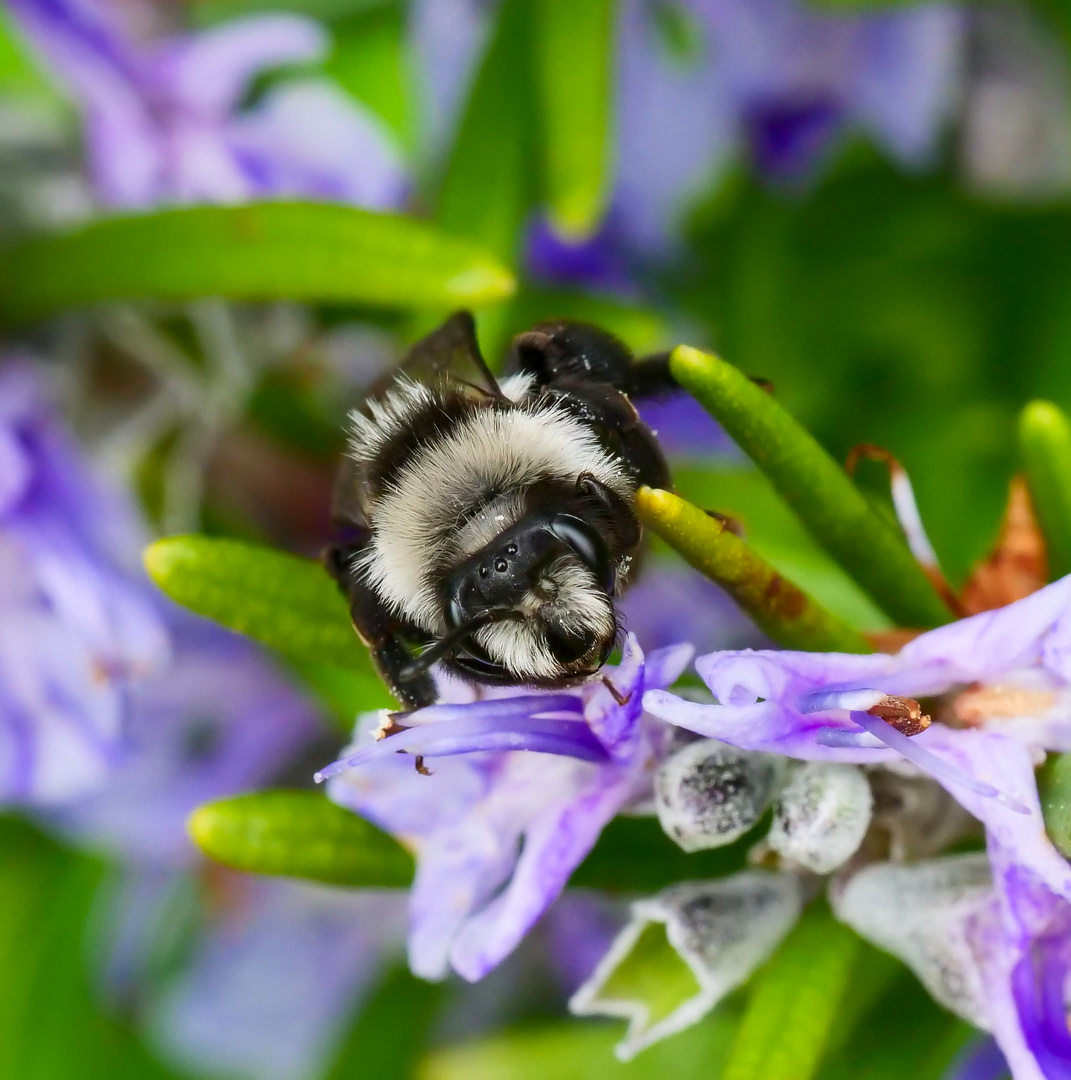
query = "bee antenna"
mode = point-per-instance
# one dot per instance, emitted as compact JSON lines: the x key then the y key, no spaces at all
{"x":450,"y":641}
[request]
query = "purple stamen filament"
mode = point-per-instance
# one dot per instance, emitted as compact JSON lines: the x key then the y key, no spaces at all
{"x":472,"y":734}
{"x":930,"y":762}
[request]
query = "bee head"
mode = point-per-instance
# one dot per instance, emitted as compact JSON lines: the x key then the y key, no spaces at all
{"x":538,"y":600}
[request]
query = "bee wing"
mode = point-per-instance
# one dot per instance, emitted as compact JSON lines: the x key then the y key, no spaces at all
{"x":449,"y":352}
{"x":349,"y":517}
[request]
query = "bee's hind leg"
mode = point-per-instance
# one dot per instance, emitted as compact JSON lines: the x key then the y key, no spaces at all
{"x":380,"y":630}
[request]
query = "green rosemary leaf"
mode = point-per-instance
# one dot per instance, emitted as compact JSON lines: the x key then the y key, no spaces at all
{"x":780,"y":608}
{"x":837,"y":514}
{"x":299,"y":834}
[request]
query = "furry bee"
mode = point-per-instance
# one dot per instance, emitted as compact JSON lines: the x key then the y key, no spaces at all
{"x":489,"y":523}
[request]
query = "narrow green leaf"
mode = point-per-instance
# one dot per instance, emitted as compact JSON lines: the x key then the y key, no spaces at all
{"x":268,"y":251}
{"x":281,"y":600}
{"x":1045,"y":445}
{"x":781,"y":609}
{"x":900,"y":1034}
{"x":778,"y":535}
{"x":794,"y":1002}
{"x":574,"y":45}
{"x":344,"y":692}
{"x":815,"y":486}
{"x":488,"y":188}
{"x":1054,"y":788}
{"x":299,"y":834}
{"x":369,"y":58}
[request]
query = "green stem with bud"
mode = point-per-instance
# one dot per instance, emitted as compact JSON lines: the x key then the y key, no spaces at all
{"x":781,"y":609}
{"x":821,"y":493}
{"x":1045,"y":446}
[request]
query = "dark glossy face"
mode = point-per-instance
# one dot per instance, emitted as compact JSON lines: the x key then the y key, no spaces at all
{"x":551,"y":571}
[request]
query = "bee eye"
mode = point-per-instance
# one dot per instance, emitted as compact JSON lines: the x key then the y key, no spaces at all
{"x":501,"y":565}
{"x":511,"y":549}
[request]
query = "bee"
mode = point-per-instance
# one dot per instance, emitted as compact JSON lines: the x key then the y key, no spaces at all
{"x":487,"y":524}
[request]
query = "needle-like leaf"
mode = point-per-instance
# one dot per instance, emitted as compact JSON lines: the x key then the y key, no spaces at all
{"x":299,"y":834}
{"x":267,"y":251}
{"x":837,"y":514}
{"x":283,"y":601}
{"x":781,"y":609}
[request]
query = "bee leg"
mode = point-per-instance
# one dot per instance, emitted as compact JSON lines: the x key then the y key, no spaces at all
{"x":380,"y":630}
{"x":650,"y":376}
{"x":615,"y":511}
{"x":566,"y":350}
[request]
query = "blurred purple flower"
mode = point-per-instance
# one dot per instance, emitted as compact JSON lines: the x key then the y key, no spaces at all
{"x":274,"y":982}
{"x":580,"y":928}
{"x":272,"y":978}
{"x":686,"y":430}
{"x":777,"y":79}
{"x":670,"y":602}
{"x":601,"y":263}
{"x":165,"y":121}
{"x":218,"y":721}
{"x":497,"y":834}
{"x":1015,"y":663}
{"x":75,"y":624}
{"x":447,"y":38}
{"x":700,"y":81}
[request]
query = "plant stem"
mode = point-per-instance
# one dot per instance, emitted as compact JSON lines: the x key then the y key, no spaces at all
{"x":1045,"y":445}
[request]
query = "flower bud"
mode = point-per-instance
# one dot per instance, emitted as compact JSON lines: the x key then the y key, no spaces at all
{"x":709,"y":793}
{"x":821,"y":815}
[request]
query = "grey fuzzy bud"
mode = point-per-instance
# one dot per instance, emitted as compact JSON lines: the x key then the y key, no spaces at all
{"x":709,"y":793}
{"x":821,"y":815}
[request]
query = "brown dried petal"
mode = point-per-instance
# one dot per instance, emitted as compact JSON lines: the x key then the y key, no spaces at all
{"x":1017,"y":566}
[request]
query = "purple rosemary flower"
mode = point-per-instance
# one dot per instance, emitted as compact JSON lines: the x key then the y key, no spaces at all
{"x":165,"y":121}
{"x":776,"y":79}
{"x":1000,"y":680}
{"x":497,"y":833}
{"x":217,"y":721}
{"x":75,"y":624}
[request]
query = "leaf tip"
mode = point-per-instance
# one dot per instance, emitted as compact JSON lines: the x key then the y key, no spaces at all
{"x":201,"y":827}
{"x":1045,"y":416}
{"x":482,"y":283}
{"x":161,"y":556}
{"x":654,"y":504}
